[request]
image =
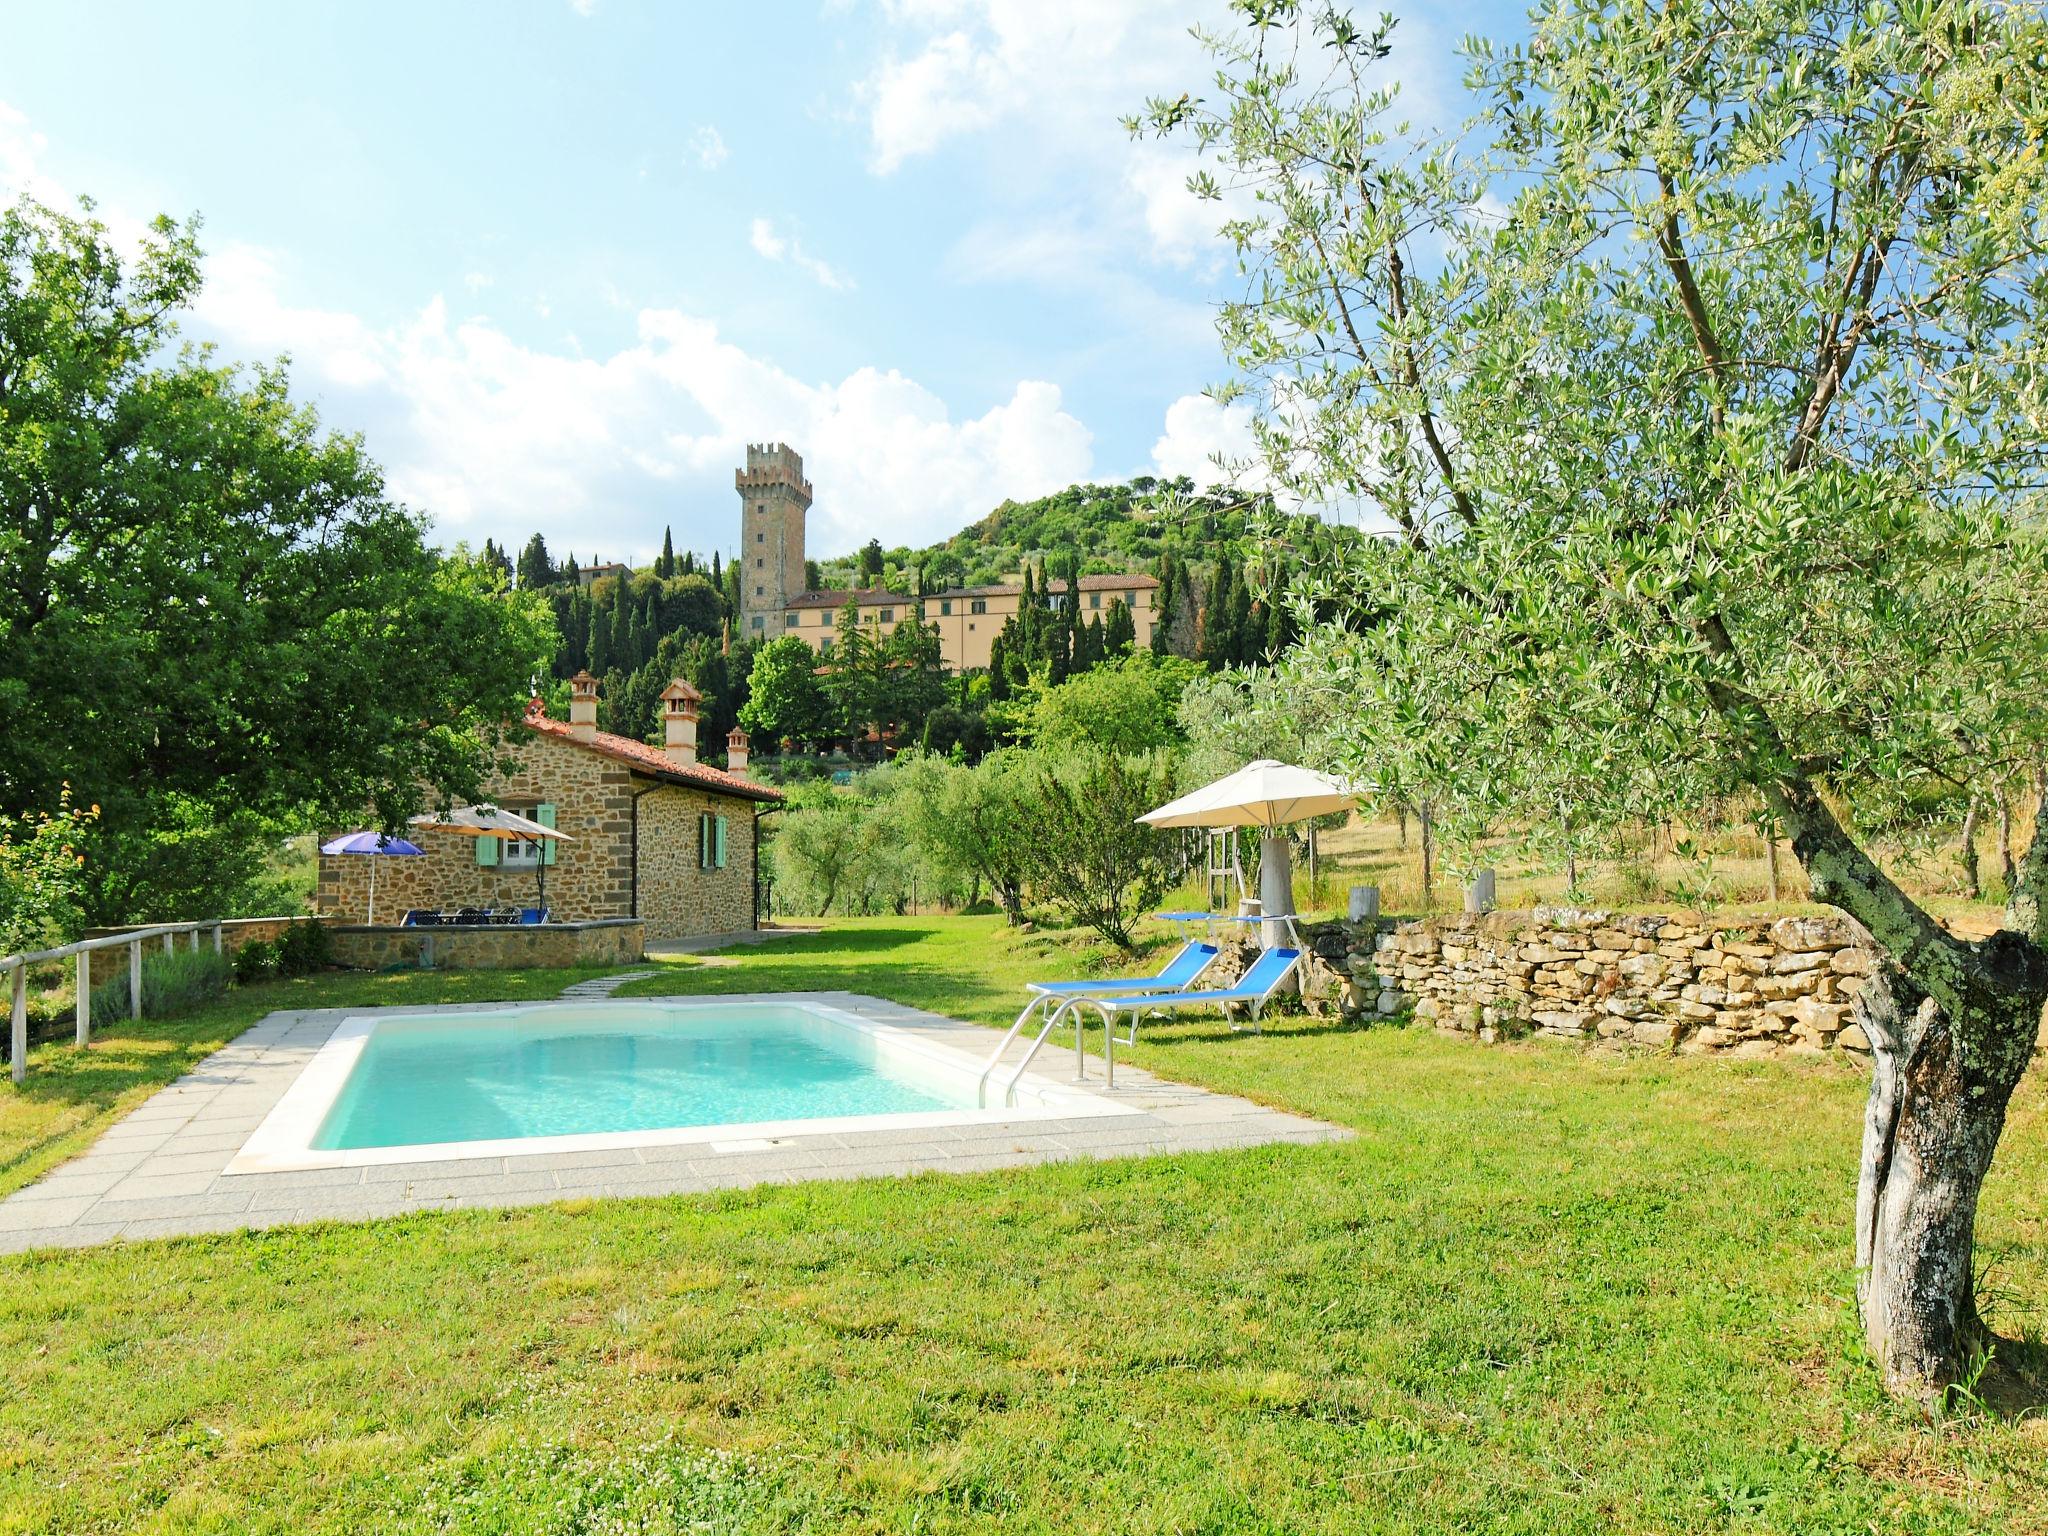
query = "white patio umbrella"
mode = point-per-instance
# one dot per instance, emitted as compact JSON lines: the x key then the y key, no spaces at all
{"x":1263,"y":794}
{"x":494,"y":821}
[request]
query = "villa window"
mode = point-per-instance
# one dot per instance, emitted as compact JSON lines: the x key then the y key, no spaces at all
{"x":519,"y":854}
{"x":789,"y":619}
{"x":888,"y":615}
{"x":759,"y":563}
{"x":977,"y":605}
{"x":824,"y":618}
{"x":710,"y":841}
{"x":945,"y":607}
{"x":1094,"y":599}
{"x":759,"y":622}
{"x":760,"y":537}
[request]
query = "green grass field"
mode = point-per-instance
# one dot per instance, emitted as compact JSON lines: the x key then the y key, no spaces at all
{"x":1544,"y":1290}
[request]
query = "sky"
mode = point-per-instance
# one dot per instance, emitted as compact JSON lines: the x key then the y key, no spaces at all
{"x":560,"y":261}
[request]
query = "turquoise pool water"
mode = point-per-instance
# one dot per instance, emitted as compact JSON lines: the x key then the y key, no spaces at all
{"x":569,"y":1071}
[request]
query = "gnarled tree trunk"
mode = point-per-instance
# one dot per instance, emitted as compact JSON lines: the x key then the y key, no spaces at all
{"x":1938,"y":1096}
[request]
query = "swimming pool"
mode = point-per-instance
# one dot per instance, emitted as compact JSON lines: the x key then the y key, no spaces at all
{"x":428,"y":1085}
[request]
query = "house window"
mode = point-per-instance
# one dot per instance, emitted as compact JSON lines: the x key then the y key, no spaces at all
{"x":970,"y":627}
{"x":759,"y":622}
{"x":888,"y":615}
{"x":789,"y":619}
{"x":520,"y":855}
{"x":977,"y":605}
{"x":760,"y":537}
{"x":1094,"y":599}
{"x":759,"y":562}
{"x":759,"y":591}
{"x":825,"y":646}
{"x":824,"y":618}
{"x":945,"y":607}
{"x":710,"y":841}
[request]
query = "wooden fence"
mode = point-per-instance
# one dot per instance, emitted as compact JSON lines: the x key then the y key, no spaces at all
{"x":15,"y":969}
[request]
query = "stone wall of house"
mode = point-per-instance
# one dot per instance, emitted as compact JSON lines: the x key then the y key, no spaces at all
{"x":1685,"y":983}
{"x":677,"y":895}
{"x":592,"y":874}
{"x":612,"y":942}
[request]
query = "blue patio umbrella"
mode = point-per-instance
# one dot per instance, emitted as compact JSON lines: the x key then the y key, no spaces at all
{"x":372,"y":843}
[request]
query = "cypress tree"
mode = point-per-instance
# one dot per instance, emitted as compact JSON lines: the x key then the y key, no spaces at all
{"x":1119,"y":631}
{"x":665,"y":567}
{"x":597,"y":646}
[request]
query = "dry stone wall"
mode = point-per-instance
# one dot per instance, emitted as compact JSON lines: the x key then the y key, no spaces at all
{"x":1684,"y":983}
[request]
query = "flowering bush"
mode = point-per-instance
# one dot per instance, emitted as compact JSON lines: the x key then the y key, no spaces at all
{"x":42,"y":875}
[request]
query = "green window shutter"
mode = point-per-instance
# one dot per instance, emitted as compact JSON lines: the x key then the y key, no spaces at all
{"x":487,"y":851}
{"x":719,"y":822}
{"x":545,"y":815}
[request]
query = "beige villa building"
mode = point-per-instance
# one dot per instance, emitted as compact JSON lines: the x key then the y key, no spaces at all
{"x":774,"y":600}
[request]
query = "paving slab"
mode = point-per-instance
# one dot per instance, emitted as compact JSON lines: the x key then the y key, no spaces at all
{"x":158,"y":1172}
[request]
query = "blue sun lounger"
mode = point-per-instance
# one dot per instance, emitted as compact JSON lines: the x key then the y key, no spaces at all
{"x":1254,"y":989}
{"x":1178,"y":973}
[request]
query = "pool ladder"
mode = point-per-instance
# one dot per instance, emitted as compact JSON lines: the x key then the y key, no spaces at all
{"x":1054,"y":1009}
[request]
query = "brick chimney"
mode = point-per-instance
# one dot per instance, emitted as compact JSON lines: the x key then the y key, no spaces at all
{"x":736,"y":753}
{"x":583,"y":706}
{"x":679,"y":703}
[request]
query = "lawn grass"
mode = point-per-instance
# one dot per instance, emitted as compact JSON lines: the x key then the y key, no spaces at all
{"x":70,"y":1095}
{"x":1544,"y":1290}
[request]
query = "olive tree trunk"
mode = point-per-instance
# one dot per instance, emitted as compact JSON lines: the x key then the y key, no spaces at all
{"x":1952,"y":1024}
{"x":1936,"y":1109}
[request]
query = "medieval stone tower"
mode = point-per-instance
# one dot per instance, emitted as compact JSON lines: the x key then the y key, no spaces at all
{"x":774,"y":496}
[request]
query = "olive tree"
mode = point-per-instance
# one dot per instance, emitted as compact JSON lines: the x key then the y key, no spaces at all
{"x":1699,"y":384}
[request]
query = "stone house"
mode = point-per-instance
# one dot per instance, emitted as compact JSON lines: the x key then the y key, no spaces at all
{"x":649,"y":832}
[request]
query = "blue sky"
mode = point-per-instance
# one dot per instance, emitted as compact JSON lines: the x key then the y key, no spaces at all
{"x":560,"y":261}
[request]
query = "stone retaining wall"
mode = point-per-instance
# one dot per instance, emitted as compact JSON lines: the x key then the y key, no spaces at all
{"x":1684,"y":983}
{"x":614,"y":941}
{"x":234,"y":933}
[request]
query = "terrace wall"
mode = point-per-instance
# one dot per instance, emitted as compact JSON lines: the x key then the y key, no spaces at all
{"x":1684,"y":983}
{"x":612,"y":942}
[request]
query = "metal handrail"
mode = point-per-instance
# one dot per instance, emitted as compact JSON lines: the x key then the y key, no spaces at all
{"x":134,"y":938}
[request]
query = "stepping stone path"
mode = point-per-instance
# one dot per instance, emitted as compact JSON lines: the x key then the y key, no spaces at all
{"x":605,"y":986}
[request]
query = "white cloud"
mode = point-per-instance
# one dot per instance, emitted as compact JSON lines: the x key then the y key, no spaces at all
{"x":583,"y":7}
{"x":1072,"y":66}
{"x":1210,"y":443}
{"x":776,"y":247}
{"x":477,"y":282}
{"x":496,"y":437}
{"x":707,"y":148}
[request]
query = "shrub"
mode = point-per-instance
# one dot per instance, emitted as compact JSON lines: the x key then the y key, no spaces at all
{"x":172,"y":984}
{"x":304,"y":948}
{"x":256,"y":961}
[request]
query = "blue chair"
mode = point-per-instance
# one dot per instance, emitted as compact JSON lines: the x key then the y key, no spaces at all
{"x":421,"y":917}
{"x":1254,"y":989}
{"x":529,"y":916}
{"x":1177,"y":975}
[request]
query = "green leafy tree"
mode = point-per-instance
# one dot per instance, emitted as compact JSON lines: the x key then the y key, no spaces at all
{"x":785,"y":700}
{"x":203,"y":596}
{"x":970,"y":820}
{"x":1119,"y":630}
{"x":871,"y":563}
{"x":1088,"y":854}
{"x":1703,"y":387}
{"x":1124,"y":706}
{"x":536,"y":570}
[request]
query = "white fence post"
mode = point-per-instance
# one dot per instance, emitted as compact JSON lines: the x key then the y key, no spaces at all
{"x":84,"y":995}
{"x":216,"y":938}
{"x":135,"y":980}
{"x":17,"y":1039}
{"x":170,"y":942}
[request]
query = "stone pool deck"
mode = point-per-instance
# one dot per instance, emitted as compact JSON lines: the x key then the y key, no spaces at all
{"x":158,"y":1171}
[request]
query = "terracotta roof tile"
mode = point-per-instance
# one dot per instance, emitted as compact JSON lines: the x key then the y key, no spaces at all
{"x":642,"y":758}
